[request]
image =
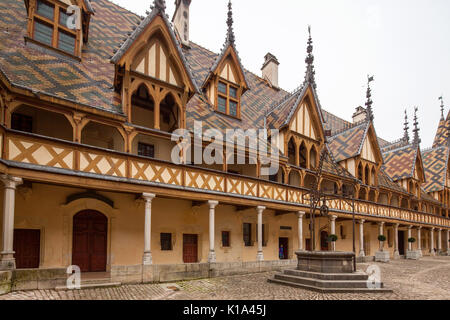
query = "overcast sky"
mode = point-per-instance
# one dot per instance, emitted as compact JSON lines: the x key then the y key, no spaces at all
{"x":403,"y":43}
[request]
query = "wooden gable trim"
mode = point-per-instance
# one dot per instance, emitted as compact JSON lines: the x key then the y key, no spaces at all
{"x":235,"y":65}
{"x":371,"y":135}
{"x":313,"y":111}
{"x":421,"y":169}
{"x":159,"y":29}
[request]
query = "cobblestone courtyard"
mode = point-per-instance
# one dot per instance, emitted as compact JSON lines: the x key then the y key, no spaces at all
{"x":427,"y":279}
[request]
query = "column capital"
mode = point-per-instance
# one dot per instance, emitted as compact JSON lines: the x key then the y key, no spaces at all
{"x":432,"y":228}
{"x":333,"y":218}
{"x":381,"y":224}
{"x":212,"y":204}
{"x":362,"y":221}
{"x":148,"y":197}
{"x":260,"y":209}
{"x":396,"y":225}
{"x":301,"y":214}
{"x":410,"y":227}
{"x":419,"y":228}
{"x":10,"y":182}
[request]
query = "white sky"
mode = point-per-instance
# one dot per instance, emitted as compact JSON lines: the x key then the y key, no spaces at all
{"x":403,"y":43}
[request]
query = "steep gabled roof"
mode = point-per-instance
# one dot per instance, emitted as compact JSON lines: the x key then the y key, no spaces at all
{"x":401,"y":163}
{"x":435,"y":162}
{"x":134,"y":37}
{"x":386,"y":182}
{"x":443,"y":133}
{"x":348,"y":144}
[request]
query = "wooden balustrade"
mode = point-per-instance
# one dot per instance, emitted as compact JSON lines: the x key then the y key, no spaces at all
{"x":49,"y":152}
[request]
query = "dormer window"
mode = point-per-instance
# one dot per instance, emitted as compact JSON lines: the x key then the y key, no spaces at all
{"x":227,"y":99}
{"x":48,"y":26}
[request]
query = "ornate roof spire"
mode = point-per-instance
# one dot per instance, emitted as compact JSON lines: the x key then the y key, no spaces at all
{"x":159,"y":5}
{"x":416,"y":130}
{"x":442,"y":107}
{"x":406,"y":128}
{"x":369,"y":101}
{"x":310,"y":72}
{"x":230,"y":33}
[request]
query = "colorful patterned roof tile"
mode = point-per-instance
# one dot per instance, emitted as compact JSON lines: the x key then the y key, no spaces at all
{"x":400,"y":163}
{"x":89,"y":82}
{"x":386,"y":182}
{"x":443,"y":133}
{"x":347,"y":144}
{"x":435,"y":162}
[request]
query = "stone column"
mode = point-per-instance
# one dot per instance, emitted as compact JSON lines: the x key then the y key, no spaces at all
{"x":260,"y":255}
{"x":409,"y":237}
{"x":300,"y":216}
{"x":333,"y":231}
{"x":396,"y":252}
{"x":432,"y":242}
{"x":381,"y":226}
{"x":212,"y":229}
{"x":439,"y":244}
{"x":419,"y":239}
{"x":448,"y":242}
{"x":148,"y":198}
{"x":361,"y":238}
{"x":7,"y":261}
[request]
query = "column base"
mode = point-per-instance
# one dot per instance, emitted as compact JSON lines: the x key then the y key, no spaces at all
{"x":432,"y":253}
{"x":413,"y":255}
{"x":212,"y":257}
{"x":7,"y":262}
{"x":147,"y":260}
{"x":382,"y":256}
{"x":362,"y":254}
{"x":260,"y":256}
{"x":396,"y":255}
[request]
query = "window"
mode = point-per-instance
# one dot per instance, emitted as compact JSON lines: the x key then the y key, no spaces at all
{"x":50,"y":18}
{"x":166,"y":242}
{"x":227,"y":99}
{"x":248,"y":234}
{"x":146,"y":150}
{"x":21,"y":122}
{"x":225,"y":239}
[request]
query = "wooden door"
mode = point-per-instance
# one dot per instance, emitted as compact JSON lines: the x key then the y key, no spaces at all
{"x":27,"y":245}
{"x":190,"y":248}
{"x":324,"y":241}
{"x":90,"y":238}
{"x":401,"y":243}
{"x":283,"y":248}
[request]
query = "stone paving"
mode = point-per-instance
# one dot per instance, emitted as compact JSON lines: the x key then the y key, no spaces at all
{"x":426,"y":279}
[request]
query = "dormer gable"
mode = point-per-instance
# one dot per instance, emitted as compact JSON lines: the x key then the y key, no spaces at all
{"x":61,"y":25}
{"x":150,"y":66}
{"x":226,"y":81}
{"x":370,"y":149}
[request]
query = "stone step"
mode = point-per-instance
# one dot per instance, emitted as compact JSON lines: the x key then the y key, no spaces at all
{"x":322,"y":283}
{"x":329,"y":290}
{"x":328,"y":276}
{"x":92,"y":284}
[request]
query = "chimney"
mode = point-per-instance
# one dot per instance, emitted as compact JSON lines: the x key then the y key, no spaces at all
{"x":359,"y":115}
{"x":270,"y":69}
{"x":181,"y":20}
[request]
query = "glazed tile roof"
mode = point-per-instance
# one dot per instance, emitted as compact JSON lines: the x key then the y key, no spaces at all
{"x":400,"y":163}
{"x":89,"y":82}
{"x":435,"y":162}
{"x":348,"y":144}
{"x":442,"y":134}
{"x":385,"y":181}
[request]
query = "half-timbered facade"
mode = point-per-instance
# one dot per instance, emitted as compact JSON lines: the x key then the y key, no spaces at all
{"x":87,"y":117}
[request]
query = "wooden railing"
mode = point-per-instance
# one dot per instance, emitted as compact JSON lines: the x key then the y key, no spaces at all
{"x":49,"y":152}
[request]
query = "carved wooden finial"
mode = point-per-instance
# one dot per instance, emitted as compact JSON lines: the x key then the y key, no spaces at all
{"x":416,"y":130}
{"x":310,"y":71}
{"x":406,"y":127}
{"x":441,"y":98}
{"x":369,"y":101}
{"x":230,"y":33}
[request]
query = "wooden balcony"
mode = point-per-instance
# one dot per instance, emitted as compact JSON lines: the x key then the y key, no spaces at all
{"x":48,"y":152}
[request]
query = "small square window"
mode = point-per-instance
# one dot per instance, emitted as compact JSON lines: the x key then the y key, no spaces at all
{"x":233,"y":108}
{"x":233,"y":92}
{"x":146,"y":150}
{"x":225,"y":239}
{"x":43,"y":33}
{"x":166,"y":242}
{"x":222,"y":105}
{"x":222,"y":88}
{"x":45,"y":10}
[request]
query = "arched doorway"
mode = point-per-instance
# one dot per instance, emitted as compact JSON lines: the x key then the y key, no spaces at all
{"x":90,"y":238}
